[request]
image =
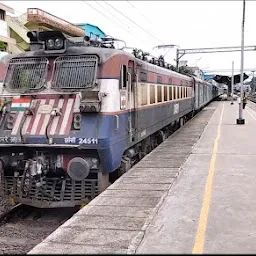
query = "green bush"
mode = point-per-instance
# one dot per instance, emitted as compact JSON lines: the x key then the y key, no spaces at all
{"x":2,"y":46}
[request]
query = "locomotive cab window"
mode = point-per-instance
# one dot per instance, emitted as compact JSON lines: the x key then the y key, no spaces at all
{"x":124,"y":77}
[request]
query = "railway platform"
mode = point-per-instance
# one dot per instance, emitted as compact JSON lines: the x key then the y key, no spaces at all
{"x":193,"y":194}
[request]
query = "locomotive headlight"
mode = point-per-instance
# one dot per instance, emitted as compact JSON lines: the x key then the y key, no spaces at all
{"x":59,"y":43}
{"x":10,"y":122}
{"x":54,"y":41}
{"x":77,"y":117}
{"x":9,"y":125}
{"x":77,"y":121}
{"x":10,"y":119}
{"x":54,"y":44}
{"x":50,"y":44}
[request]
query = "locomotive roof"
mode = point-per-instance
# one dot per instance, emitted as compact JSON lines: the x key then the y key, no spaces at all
{"x":104,"y":54}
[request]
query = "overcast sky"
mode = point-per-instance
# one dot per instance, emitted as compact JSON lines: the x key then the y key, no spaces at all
{"x":189,"y":24}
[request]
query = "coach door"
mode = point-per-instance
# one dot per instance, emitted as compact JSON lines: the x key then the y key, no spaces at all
{"x":132,"y":92}
{"x":194,"y":94}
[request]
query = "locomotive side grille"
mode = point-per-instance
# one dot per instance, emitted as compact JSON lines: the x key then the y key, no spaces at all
{"x":76,"y":72}
{"x":26,"y":73}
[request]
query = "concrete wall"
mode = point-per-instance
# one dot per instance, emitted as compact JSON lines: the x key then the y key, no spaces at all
{"x":2,"y":66}
{"x":3,"y":28}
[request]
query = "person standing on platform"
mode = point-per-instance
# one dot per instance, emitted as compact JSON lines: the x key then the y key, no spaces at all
{"x":244,"y":100}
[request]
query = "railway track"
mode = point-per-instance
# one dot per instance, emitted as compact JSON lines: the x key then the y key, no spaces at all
{"x":252,"y":99}
{"x":23,"y":227}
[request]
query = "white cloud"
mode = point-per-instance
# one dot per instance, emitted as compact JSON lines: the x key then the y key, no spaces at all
{"x":190,"y":24}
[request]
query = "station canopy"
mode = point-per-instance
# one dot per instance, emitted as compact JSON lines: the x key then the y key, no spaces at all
{"x":227,"y":79}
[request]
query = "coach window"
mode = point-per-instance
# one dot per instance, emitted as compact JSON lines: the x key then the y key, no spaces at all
{"x":174,"y":92}
{"x":143,"y":77}
{"x":124,"y":77}
{"x":165,"y":93}
{"x":170,"y":93}
{"x":144,"y":94}
{"x":152,"y":94}
{"x":159,"y":93}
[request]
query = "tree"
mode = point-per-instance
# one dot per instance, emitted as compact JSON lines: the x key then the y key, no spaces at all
{"x":2,"y":46}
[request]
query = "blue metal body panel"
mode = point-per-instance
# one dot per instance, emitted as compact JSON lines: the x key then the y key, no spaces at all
{"x":112,"y":142}
{"x":91,"y":29}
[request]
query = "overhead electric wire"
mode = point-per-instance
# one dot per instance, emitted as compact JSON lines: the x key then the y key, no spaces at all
{"x":134,"y":22}
{"x":97,"y":2}
{"x":139,"y":11}
{"x":105,"y":15}
{"x":120,"y":25}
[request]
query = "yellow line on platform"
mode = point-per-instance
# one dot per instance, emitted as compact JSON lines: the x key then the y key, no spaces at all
{"x":200,"y":235}
{"x":252,"y":115}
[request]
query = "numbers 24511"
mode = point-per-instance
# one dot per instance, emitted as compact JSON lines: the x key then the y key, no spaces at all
{"x":88,"y":141}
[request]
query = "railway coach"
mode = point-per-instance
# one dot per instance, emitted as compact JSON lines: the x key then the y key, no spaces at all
{"x":76,"y":112}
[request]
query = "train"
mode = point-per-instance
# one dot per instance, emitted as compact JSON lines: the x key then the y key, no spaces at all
{"x":77,"y":112}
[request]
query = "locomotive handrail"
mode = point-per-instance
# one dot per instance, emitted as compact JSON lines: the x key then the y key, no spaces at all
{"x":117,"y":122}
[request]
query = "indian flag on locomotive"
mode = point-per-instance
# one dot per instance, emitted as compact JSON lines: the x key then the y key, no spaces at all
{"x":20,"y":104}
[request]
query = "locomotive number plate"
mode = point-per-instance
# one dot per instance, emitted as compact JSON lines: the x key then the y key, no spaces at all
{"x":44,"y":109}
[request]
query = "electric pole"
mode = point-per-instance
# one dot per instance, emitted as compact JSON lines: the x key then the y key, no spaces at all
{"x":232,"y":84}
{"x":240,"y":120}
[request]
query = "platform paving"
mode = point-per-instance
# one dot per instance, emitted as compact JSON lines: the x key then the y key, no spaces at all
{"x":116,"y":221}
{"x":230,"y":218}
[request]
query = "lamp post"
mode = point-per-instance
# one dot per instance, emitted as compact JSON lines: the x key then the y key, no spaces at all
{"x":232,"y":84}
{"x":240,"y":120}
